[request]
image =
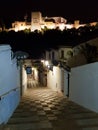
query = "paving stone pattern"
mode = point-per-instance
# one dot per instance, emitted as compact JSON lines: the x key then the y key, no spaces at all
{"x":43,"y":109}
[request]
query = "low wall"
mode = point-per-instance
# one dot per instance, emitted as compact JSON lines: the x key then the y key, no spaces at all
{"x":84,"y":86}
{"x":9,"y":83}
{"x":8,"y":104}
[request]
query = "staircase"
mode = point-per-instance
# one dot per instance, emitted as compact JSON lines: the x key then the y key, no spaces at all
{"x":44,"y":109}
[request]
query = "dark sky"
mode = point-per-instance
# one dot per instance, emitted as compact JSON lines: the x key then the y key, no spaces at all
{"x":84,"y":10}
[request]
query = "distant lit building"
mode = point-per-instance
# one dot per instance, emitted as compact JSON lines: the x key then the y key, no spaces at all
{"x":0,"y":29}
{"x":38,"y":23}
{"x":19,"y":26}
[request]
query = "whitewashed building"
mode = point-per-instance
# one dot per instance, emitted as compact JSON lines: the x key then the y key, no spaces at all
{"x":57,"y":71}
{"x":84,"y":86}
{"x":9,"y":83}
{"x":20,"y":26}
{"x":61,"y":54}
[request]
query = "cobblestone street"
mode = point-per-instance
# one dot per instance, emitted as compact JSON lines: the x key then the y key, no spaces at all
{"x":43,"y":109}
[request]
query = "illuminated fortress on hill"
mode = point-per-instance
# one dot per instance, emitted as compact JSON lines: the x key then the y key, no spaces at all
{"x":38,"y":23}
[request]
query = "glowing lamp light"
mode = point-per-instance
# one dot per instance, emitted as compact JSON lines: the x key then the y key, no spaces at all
{"x":62,"y":27}
{"x":50,"y":67}
{"x":46,"y":63}
{"x":42,"y":61}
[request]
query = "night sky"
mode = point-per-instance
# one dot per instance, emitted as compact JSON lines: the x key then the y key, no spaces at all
{"x":84,"y":10}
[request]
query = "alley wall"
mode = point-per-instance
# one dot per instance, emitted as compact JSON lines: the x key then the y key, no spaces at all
{"x":84,"y":86}
{"x":9,"y":83}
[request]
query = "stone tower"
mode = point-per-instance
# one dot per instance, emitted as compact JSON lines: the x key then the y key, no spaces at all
{"x":36,"y":19}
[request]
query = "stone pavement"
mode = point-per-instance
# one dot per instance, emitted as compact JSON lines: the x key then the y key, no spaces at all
{"x":44,"y":109}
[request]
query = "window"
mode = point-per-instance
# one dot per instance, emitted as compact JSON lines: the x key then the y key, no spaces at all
{"x":62,"y":54}
{"x":49,"y":56}
{"x":52,"y":55}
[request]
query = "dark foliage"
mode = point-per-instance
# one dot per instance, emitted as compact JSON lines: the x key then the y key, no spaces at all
{"x":35,"y":43}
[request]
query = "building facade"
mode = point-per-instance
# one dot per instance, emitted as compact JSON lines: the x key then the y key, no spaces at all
{"x":38,"y":22}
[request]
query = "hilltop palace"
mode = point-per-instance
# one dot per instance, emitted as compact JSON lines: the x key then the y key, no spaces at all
{"x":38,"y":23}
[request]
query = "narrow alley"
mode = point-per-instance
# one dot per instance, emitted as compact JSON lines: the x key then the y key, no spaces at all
{"x":44,"y":109}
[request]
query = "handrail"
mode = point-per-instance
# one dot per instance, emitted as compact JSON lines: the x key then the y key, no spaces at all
{"x":3,"y":95}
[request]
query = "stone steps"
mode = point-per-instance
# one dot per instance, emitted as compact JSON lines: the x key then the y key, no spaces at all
{"x":50,"y":111}
{"x":23,"y":114}
{"x":88,"y":122}
{"x":23,"y":120}
{"x":28,"y":126}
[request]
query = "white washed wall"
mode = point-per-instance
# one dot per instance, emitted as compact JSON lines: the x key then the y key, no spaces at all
{"x":84,"y":86}
{"x":54,"y":79}
{"x":56,"y":54}
{"x":58,"y":80}
{"x":24,"y":80}
{"x":66,"y":50}
{"x":9,"y":84}
{"x":36,"y":80}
